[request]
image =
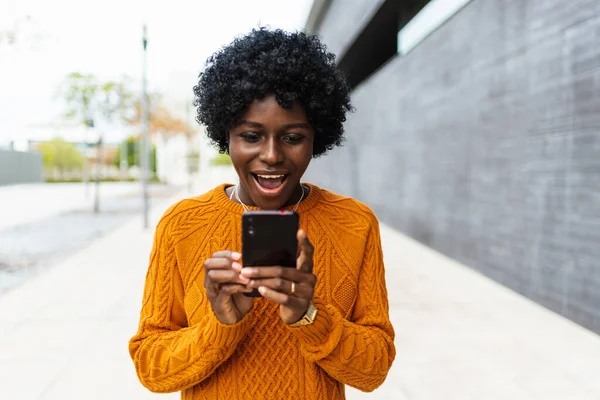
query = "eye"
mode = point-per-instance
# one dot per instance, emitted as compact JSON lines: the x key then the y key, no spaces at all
{"x":293,"y":138}
{"x":250,"y":137}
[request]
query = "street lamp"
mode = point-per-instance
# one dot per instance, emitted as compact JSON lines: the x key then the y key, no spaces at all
{"x":89,"y":124}
{"x":145,"y":120}
{"x":99,"y":156}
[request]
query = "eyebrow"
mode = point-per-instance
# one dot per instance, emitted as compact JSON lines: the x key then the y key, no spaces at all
{"x":288,"y":126}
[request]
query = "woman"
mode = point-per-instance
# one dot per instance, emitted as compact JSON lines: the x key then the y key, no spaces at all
{"x":273,"y":101}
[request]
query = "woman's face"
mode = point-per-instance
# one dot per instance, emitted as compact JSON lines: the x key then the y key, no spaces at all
{"x":271,"y":148}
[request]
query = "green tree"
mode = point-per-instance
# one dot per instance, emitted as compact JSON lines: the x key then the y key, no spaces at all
{"x":131,"y":149}
{"x":221,"y":159}
{"x":80,"y":93}
{"x":61,"y":155}
{"x":133,"y":145}
{"x":88,"y":99}
{"x":116,"y":101}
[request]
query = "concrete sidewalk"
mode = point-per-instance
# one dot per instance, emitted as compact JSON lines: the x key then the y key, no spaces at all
{"x":459,"y":335}
{"x":27,"y":203}
{"x":64,"y":334}
{"x":462,"y":336}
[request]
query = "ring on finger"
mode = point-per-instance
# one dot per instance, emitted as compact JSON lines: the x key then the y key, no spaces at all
{"x":293,"y":289}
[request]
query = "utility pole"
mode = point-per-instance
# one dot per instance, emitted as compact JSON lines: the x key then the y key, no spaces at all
{"x":89,"y":124}
{"x":123,"y":159}
{"x":99,"y":157}
{"x":145,"y":120}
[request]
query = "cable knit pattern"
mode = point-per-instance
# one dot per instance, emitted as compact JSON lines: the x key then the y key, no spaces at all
{"x":181,"y":346}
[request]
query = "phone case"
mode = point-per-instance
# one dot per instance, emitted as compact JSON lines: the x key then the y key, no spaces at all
{"x":269,"y":239}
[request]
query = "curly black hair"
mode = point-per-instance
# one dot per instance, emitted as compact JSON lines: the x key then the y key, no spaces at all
{"x":293,"y":66}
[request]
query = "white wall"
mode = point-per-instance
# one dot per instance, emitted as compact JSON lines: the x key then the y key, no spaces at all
{"x":171,"y":158}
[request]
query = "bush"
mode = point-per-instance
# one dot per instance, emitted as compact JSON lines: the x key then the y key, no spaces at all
{"x":133,"y":147}
{"x":61,"y":155}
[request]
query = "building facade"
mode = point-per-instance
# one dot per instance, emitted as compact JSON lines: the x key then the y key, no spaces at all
{"x":477,"y":132}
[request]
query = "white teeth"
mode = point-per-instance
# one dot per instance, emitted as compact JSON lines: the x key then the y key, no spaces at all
{"x":270,"y":176}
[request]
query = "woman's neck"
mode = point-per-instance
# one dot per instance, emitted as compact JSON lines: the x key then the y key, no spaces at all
{"x":244,"y":198}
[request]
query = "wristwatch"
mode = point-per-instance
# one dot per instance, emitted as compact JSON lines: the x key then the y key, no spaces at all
{"x":308,"y":318}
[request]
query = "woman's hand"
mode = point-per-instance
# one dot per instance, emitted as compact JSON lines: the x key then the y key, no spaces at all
{"x":225,"y":287}
{"x":292,"y":288}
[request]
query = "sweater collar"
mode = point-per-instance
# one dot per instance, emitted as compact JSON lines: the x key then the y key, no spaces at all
{"x":223,"y":200}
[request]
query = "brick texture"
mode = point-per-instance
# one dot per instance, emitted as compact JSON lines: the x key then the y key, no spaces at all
{"x":484,"y":143}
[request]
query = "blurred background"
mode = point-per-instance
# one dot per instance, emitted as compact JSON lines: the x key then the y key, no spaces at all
{"x":476,"y":140}
{"x":72,"y":113}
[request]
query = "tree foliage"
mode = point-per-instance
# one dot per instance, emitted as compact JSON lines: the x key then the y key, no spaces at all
{"x":221,"y":159}
{"x":61,"y":155}
{"x":132,"y":146}
{"x":161,"y":119}
{"x":88,"y":99}
{"x":80,"y":93}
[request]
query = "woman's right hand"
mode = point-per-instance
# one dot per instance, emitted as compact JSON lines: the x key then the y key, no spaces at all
{"x":225,"y":287}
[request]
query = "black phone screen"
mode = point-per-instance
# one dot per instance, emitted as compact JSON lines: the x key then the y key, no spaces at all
{"x":269,"y":239}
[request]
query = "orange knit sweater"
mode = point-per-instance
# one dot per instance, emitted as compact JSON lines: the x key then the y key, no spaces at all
{"x":180,"y":344}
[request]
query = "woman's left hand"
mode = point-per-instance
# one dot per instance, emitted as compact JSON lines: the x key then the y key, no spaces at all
{"x":292,"y":288}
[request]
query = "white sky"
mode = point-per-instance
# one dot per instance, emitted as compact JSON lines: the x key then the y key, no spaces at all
{"x":104,"y":38}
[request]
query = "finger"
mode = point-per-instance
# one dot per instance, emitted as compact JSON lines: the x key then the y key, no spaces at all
{"x":233,"y":288}
{"x":232,"y":255}
{"x":301,"y":290}
{"x":221,"y":263}
{"x":304,"y":261}
{"x":280,"y":298}
{"x":212,"y":288}
{"x":288,"y":273}
{"x":278,"y":284}
{"x":226,"y":276}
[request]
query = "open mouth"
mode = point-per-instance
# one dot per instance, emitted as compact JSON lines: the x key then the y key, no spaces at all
{"x":270,"y":184}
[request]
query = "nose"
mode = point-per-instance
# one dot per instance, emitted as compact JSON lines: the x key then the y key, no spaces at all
{"x":271,"y":152}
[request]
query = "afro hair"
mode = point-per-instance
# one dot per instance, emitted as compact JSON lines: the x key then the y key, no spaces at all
{"x":292,"y":66}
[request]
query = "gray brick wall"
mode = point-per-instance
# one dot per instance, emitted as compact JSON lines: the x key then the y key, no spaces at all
{"x":344,"y":20}
{"x":484,"y":143}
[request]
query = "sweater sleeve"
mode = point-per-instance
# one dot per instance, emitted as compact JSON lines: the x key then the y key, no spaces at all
{"x":357,"y":352}
{"x":168,"y":355}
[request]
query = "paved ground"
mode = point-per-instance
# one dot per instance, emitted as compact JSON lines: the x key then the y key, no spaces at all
{"x":459,"y":336}
{"x":27,"y":203}
{"x":45,"y":224}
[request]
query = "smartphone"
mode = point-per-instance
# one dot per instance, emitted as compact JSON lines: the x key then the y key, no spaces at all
{"x":269,"y":239}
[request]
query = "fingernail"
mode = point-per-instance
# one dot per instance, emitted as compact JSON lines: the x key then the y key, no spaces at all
{"x":236,"y":266}
{"x":247,"y":271}
{"x":262,"y":290}
{"x":236,"y":255}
